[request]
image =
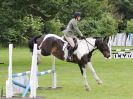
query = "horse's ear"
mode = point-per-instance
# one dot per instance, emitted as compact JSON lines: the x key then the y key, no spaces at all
{"x":106,"y":39}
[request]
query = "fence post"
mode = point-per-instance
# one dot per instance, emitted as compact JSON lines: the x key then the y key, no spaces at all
{"x":33,"y":75}
{"x":110,"y":46}
{"x":53,"y":73}
{"x":9,"y":85}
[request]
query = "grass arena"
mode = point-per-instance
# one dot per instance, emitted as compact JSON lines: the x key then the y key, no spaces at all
{"x":116,"y":75}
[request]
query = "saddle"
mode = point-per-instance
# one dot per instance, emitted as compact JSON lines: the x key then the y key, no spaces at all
{"x":75,"y":41}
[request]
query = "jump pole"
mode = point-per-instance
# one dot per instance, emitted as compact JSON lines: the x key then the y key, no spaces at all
{"x":9,"y":84}
{"x":33,"y":75}
{"x":54,"y":85}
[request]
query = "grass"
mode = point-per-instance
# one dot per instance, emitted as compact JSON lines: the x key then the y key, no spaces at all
{"x":115,"y":73}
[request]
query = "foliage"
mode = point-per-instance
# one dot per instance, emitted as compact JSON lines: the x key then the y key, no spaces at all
{"x":129,"y":28}
{"x":105,"y":26}
{"x":88,"y":8}
{"x":22,"y":19}
{"x":22,"y":30}
{"x":31,"y":26}
{"x":123,"y":9}
{"x":8,"y":36}
{"x":53,"y":26}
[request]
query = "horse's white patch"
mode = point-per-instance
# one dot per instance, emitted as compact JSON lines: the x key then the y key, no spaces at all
{"x":65,"y":53}
{"x":53,"y":35}
{"x":65,"y":45}
{"x":84,"y":47}
{"x":65,"y":50}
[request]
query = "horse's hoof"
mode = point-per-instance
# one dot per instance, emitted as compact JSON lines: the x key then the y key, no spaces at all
{"x":87,"y":88}
{"x":99,"y":82}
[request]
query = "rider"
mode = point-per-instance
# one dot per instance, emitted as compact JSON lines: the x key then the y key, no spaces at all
{"x":71,"y":31}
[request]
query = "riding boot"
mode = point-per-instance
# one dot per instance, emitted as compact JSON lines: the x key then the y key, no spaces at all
{"x":70,"y":53}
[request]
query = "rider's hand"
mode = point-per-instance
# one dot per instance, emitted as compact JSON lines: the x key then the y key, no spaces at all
{"x":82,"y":37}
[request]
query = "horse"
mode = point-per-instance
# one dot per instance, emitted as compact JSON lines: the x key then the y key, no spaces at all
{"x":51,"y":44}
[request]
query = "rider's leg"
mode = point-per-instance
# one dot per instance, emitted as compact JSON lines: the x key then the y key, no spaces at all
{"x":71,"y":50}
{"x":70,"y":41}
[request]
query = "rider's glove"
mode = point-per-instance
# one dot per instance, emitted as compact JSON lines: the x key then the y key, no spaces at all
{"x":82,"y":37}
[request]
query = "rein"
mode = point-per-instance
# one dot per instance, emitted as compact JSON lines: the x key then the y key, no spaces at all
{"x":89,"y":43}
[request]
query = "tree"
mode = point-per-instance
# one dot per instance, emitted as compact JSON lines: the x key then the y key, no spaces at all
{"x":22,"y":19}
{"x":103,"y":27}
{"x":129,"y":28}
{"x":122,"y":11}
{"x":19,"y":19}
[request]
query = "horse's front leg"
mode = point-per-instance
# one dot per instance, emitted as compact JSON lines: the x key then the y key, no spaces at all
{"x":98,"y":80}
{"x":83,"y":72}
{"x":87,"y":86}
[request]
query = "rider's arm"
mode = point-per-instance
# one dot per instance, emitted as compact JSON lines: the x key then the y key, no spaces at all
{"x":77,"y":29}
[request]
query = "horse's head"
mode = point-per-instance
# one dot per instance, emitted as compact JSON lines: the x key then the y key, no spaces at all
{"x":103,"y":47}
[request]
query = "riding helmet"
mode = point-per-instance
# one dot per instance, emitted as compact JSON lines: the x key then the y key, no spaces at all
{"x":76,"y":14}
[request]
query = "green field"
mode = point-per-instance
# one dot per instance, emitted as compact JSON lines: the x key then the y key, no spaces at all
{"x":115,"y":73}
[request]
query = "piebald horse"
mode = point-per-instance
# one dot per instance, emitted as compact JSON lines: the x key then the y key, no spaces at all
{"x":52,"y":44}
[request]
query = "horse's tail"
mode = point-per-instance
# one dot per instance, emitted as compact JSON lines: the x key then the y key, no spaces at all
{"x":32,"y":41}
